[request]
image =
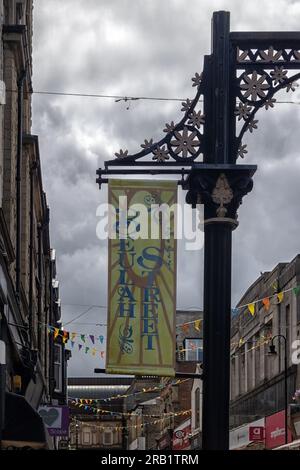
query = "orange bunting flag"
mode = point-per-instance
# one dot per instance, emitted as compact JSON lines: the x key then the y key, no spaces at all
{"x":56,"y":333}
{"x":73,"y":336}
{"x":280,"y":297}
{"x":266,"y":302}
{"x":198,"y":325}
{"x":185,"y":327}
{"x":251,"y":308}
{"x":65,"y":336}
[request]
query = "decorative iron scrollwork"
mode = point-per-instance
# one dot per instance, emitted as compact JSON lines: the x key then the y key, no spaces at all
{"x":183,"y":141}
{"x":260,"y":74}
{"x":265,"y":71}
{"x":267,"y":55}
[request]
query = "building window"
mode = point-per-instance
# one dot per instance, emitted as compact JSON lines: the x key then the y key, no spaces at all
{"x":242,"y":375}
{"x":269,"y":360}
{"x":232,"y":376}
{"x":287,"y":326}
{"x":107,"y":438}
{"x":257,"y":359}
{"x":197,"y":408}
{"x":95,"y":437}
{"x":249,"y":356}
{"x":193,"y":349}
{"x":86,"y":437}
{"x":21,"y":12}
{"x":58,"y":368}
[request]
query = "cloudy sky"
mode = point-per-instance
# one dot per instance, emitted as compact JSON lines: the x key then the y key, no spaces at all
{"x":147,"y":48}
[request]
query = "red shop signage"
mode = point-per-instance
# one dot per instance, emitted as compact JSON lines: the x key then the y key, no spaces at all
{"x":256,"y":433}
{"x":275,"y":430}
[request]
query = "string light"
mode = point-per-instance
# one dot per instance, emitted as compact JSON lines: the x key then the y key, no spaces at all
{"x":86,"y":401}
{"x":119,"y":413}
{"x":135,"y":426}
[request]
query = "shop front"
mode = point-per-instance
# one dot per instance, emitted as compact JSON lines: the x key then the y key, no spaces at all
{"x":248,"y":436}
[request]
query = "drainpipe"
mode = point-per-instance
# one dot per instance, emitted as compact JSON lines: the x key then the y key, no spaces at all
{"x":2,"y":388}
{"x":20,"y":85}
{"x":31,"y":242}
{"x":40,"y":248}
{"x":51,"y":340}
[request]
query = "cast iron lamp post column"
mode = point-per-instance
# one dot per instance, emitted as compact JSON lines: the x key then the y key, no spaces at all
{"x":221,"y":193}
{"x":273,"y":351}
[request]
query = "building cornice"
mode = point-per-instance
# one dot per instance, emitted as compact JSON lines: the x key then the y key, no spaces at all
{"x":15,"y":38}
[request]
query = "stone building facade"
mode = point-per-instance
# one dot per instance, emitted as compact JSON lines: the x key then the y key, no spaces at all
{"x":257,"y":378}
{"x":150,"y":419}
{"x":97,"y":420}
{"x":29,"y":291}
{"x":189,"y":346}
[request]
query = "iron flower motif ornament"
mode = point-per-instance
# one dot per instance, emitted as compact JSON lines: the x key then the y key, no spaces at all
{"x":160,"y":154}
{"x":185,"y":142}
{"x":266,"y":71}
{"x":254,"y":85}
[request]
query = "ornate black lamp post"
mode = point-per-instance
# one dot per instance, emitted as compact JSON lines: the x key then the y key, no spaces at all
{"x":241,"y":75}
{"x":272,"y":350}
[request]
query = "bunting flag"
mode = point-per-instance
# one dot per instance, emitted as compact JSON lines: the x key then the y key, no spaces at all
{"x":65,"y":336}
{"x":88,"y":406}
{"x":275,"y":286}
{"x":56,"y":333}
{"x":79,"y":347}
{"x":198,"y":324}
{"x":87,"y":350}
{"x":142,"y":279}
{"x":234,"y":312}
{"x":296,"y":290}
{"x":280,"y":296}
{"x":185,"y":328}
{"x":251,"y":308}
{"x":97,"y":426}
{"x":157,"y":388}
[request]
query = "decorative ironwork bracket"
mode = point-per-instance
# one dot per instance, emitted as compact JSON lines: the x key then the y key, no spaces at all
{"x":258,"y":66}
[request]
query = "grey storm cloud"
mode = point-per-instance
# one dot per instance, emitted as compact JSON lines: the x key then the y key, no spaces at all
{"x":147,"y":48}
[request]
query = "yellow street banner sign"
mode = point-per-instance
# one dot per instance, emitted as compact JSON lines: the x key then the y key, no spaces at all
{"x":141,"y":278}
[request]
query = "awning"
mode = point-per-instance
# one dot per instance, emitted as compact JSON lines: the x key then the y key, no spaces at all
{"x":23,"y":425}
{"x":294,"y":445}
